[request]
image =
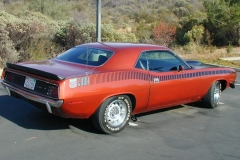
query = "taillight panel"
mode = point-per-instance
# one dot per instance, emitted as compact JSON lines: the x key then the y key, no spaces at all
{"x":41,"y":87}
{"x":9,"y":76}
{"x":53,"y":91}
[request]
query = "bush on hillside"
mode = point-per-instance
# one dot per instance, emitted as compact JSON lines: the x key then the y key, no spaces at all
{"x":195,"y":34}
{"x":72,"y":34}
{"x":7,"y":49}
{"x":164,"y":34}
{"x":19,"y":36}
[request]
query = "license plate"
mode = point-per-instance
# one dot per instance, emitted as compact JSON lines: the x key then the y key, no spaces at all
{"x":30,"y":83}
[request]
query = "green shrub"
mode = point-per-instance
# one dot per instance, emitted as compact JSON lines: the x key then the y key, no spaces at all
{"x":41,"y":48}
{"x":27,"y":37}
{"x":195,"y":34}
{"x":72,"y":34}
{"x":7,"y":48}
{"x":229,"y":48}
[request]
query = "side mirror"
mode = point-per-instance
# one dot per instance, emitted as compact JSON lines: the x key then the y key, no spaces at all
{"x":180,"y":68}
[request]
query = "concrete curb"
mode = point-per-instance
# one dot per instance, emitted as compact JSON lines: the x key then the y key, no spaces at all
{"x":236,"y":69}
{"x":231,"y":58}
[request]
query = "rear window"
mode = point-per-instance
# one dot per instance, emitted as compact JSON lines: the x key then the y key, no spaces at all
{"x":86,"y":56}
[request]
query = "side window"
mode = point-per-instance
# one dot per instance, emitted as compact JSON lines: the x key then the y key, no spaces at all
{"x":163,"y":61}
{"x":142,"y":62}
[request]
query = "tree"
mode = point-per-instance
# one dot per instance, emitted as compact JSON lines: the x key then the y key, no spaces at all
{"x":223,"y":20}
{"x":196,"y":34}
{"x":187,"y":24}
{"x":164,"y":34}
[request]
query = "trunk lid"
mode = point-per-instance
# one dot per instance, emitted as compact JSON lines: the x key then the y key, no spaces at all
{"x":51,"y":69}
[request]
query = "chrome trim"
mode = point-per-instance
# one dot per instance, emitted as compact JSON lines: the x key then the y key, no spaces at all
{"x":48,"y":107}
{"x":1,"y":85}
{"x":48,"y":102}
{"x":144,"y":58}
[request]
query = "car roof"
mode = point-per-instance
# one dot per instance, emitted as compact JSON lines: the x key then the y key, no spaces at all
{"x":122,"y":45}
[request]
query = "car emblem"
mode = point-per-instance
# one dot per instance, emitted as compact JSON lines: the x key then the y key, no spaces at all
{"x":83,"y":81}
{"x":156,"y":80}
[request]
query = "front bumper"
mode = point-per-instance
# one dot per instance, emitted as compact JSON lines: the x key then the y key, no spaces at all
{"x":36,"y":98}
{"x":232,"y":85}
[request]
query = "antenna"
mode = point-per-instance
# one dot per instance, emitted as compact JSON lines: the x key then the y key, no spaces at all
{"x":87,"y":59}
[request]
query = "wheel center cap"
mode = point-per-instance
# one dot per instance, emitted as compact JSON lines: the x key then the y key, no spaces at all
{"x":114,"y":112}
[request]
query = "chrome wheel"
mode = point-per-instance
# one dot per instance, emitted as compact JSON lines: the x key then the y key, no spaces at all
{"x":217,"y":93}
{"x":116,"y":113}
{"x":113,"y":115}
{"x":212,"y":98}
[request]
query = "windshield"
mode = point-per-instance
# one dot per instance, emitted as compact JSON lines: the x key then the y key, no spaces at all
{"x":86,"y":56}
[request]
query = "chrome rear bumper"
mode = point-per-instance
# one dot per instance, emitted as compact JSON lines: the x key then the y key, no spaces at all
{"x":48,"y":102}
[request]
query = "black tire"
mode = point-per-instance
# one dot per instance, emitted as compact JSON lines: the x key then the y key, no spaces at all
{"x":113,"y":115}
{"x":212,"y":98}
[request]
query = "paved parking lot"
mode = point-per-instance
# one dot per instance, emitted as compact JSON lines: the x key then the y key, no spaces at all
{"x":183,"y":132}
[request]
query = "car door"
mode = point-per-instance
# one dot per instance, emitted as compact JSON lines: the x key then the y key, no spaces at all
{"x":169,"y":84}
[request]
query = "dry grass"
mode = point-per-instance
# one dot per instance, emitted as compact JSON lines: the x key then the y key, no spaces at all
{"x":209,"y":55}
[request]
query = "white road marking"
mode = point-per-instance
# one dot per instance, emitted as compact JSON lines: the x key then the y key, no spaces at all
{"x":30,"y":138}
{"x":237,"y":84}
{"x":132,"y":124}
{"x":221,"y":103}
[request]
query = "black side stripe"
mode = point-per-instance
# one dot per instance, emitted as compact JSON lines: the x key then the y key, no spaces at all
{"x":126,"y":75}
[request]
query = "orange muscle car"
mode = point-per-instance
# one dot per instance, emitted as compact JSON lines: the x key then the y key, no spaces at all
{"x":111,"y":82}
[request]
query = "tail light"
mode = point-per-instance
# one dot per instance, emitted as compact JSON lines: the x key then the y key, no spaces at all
{"x":9,"y":76}
{"x":53,"y":91}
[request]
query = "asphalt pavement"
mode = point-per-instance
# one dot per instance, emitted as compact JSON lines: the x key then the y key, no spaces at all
{"x":181,"y":133}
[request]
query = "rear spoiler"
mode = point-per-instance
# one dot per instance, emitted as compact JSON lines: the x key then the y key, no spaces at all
{"x":34,"y":71}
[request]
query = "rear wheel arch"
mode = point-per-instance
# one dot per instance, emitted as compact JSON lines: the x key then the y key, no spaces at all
{"x":130,"y":95}
{"x":133,"y":100}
